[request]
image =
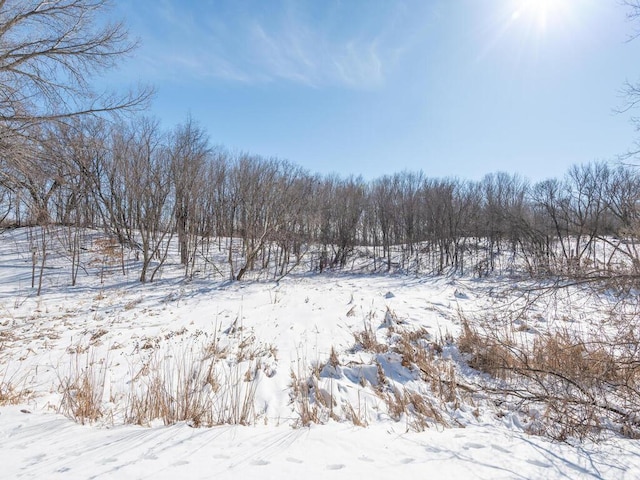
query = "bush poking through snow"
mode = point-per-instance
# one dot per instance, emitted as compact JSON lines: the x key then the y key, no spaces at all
{"x":486,"y":353}
{"x":571,"y":385}
{"x":404,"y":379}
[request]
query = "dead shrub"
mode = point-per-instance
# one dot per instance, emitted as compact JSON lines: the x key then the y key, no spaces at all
{"x":486,"y":353}
{"x":108,"y":251}
{"x":578,"y":385}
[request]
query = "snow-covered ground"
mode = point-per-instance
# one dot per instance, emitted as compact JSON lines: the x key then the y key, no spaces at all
{"x":50,"y":446}
{"x":311,"y":370}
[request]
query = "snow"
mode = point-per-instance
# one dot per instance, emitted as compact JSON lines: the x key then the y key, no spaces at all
{"x":255,"y":336}
{"x":50,"y":446}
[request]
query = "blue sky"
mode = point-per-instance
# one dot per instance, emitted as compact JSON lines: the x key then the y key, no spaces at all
{"x":371,"y":87}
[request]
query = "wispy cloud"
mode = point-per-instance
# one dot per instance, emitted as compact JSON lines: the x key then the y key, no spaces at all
{"x":304,"y":55}
{"x":317,"y":44}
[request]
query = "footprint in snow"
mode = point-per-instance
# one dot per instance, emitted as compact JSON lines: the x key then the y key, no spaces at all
{"x":337,"y":466}
{"x":473,"y":445}
{"x":294,"y":460}
{"x":538,"y":463}
{"x":260,"y":463}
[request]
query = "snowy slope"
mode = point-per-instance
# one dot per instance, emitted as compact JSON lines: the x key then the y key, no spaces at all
{"x":253,"y":343}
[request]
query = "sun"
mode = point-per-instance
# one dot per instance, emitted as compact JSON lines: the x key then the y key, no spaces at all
{"x":536,"y":28}
{"x":541,"y":13}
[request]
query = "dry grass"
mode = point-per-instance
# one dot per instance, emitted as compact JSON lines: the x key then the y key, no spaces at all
{"x":427,"y":400}
{"x":420,"y":353}
{"x":215,"y":348}
{"x":235,"y":403}
{"x":367,"y":340}
{"x":83,"y":389}
{"x":202,"y":384}
{"x":107,"y":251}
{"x":421,"y":409}
{"x":573,"y":385}
{"x":13,"y":389}
{"x":490,"y":353}
{"x":199,"y":390}
{"x":334,"y":361}
{"x":357,"y":417}
{"x":172,"y":391}
{"x":415,"y":408}
{"x":315,"y":405}
{"x":303,"y":400}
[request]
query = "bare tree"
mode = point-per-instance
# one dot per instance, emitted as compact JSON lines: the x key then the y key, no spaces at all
{"x":189,"y":151}
{"x":148,"y":188}
{"x":384,"y":200}
{"x":49,"y":50}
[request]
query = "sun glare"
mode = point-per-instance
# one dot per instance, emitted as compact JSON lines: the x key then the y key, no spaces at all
{"x":541,"y":13}
{"x":530,"y":28}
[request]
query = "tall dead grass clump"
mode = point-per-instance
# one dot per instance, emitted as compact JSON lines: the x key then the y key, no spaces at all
{"x":421,"y":355}
{"x":171,"y":391}
{"x":312,"y":395}
{"x":83,"y":389}
{"x":303,"y":399}
{"x":202,"y":392}
{"x":234,"y":403}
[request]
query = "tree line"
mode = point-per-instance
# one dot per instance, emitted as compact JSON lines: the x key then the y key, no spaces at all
{"x":147,"y":187}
